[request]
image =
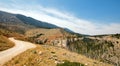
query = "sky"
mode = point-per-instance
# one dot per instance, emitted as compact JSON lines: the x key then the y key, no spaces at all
{"x":93,"y":17}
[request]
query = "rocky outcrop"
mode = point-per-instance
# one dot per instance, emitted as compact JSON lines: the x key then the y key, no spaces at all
{"x":63,"y":42}
{"x":60,"y":42}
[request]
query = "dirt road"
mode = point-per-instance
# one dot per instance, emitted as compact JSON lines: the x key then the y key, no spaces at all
{"x":20,"y":46}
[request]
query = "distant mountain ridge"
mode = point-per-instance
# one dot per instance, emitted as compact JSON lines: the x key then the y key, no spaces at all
{"x":31,"y":21}
{"x":22,"y":22}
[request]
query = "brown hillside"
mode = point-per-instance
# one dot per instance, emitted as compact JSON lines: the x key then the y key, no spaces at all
{"x":47,"y":34}
{"x":45,"y":55}
{"x":5,"y":43}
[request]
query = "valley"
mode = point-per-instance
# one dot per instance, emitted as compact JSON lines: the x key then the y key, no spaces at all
{"x":54,"y":45}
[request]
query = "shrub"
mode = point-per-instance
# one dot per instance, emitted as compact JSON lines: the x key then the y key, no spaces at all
{"x":68,"y":63}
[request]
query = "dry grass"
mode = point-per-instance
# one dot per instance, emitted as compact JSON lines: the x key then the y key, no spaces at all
{"x":5,"y":43}
{"x":48,"y":33}
{"x":45,"y":55}
{"x":45,"y":36}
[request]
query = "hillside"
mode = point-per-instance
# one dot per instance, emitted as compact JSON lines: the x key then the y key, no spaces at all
{"x":103,"y":48}
{"x":46,"y":36}
{"x":45,"y":55}
{"x":57,"y":32}
{"x":21,"y":23}
{"x":5,"y":43}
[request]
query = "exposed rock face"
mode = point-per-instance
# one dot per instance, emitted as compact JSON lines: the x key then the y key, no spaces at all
{"x":63,"y":42}
{"x":59,"y":42}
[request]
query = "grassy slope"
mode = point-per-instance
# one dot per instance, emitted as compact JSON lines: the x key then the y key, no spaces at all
{"x":45,"y":55}
{"x":8,"y":33}
{"x":5,"y":43}
{"x":45,"y":35}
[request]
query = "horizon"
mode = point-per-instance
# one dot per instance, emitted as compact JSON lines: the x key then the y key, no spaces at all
{"x":85,"y":17}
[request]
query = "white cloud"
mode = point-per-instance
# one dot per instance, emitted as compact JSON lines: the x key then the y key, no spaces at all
{"x":61,"y":18}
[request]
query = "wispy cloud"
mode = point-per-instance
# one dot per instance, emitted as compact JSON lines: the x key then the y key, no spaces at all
{"x":60,"y":18}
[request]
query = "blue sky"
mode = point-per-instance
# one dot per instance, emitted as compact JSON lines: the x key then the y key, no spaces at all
{"x":82,"y":16}
{"x":96,"y":10}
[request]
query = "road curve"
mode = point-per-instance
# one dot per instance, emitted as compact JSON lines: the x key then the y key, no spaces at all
{"x":20,"y":46}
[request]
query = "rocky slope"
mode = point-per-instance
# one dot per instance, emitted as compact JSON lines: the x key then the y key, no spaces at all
{"x":103,"y":48}
{"x":45,"y":55}
{"x":57,"y":36}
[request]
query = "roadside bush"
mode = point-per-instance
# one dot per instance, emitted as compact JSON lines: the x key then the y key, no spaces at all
{"x":68,"y":63}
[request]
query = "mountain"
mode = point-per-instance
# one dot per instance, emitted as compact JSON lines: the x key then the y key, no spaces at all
{"x":21,"y":23}
{"x":104,"y":48}
{"x":68,"y":30}
{"x":34,"y":22}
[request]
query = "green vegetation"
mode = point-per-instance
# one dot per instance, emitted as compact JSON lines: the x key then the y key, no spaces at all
{"x":68,"y":63}
{"x":116,"y":36}
{"x":100,"y":36}
{"x":92,"y":48}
